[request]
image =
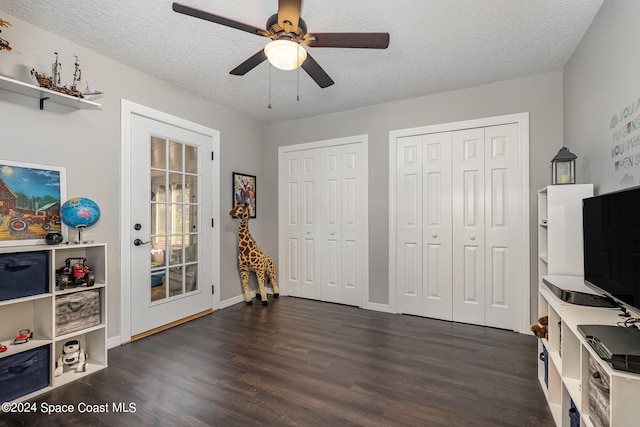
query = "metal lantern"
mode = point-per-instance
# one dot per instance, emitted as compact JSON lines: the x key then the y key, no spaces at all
{"x":563,"y":167}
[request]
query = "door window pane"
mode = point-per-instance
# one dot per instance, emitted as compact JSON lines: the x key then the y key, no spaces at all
{"x":175,"y":156}
{"x":190,"y":159}
{"x":158,"y":153}
{"x":174,"y":219}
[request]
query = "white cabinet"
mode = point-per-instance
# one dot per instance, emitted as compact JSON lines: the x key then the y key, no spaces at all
{"x":40,"y":314}
{"x":566,"y":376}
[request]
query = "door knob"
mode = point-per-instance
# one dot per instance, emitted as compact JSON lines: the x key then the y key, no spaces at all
{"x":472,"y":237}
{"x":139,"y":242}
{"x":434,"y":235}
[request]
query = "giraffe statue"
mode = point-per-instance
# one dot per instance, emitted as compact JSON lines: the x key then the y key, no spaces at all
{"x":251,"y":258}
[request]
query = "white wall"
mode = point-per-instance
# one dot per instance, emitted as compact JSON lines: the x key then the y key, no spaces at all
{"x":87,"y":143}
{"x":602,"y":95}
{"x":540,"y":95}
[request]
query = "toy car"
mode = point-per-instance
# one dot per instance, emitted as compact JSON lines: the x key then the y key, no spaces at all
{"x":3,"y":348}
{"x":75,"y":273}
{"x":23,"y":336}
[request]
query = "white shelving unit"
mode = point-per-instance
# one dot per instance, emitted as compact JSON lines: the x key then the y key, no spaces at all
{"x":565,"y":374}
{"x":560,"y":229}
{"x":44,"y":94}
{"x":568,"y":362}
{"x":38,"y":313}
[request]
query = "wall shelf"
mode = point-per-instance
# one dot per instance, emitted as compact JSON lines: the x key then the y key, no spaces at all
{"x":47,"y":95}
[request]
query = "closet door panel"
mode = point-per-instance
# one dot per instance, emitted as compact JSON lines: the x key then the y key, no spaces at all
{"x":468,"y":226}
{"x":309,"y":267}
{"x":329,"y":221}
{"x":290,"y":274}
{"x":352,"y":220}
{"x":503,"y":224}
{"x":437,"y":262}
{"x":409,"y":292}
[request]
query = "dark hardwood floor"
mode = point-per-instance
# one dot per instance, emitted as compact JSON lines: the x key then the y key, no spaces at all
{"x":307,"y":363}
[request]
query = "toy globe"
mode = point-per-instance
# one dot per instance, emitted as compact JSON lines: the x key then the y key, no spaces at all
{"x":80,"y":213}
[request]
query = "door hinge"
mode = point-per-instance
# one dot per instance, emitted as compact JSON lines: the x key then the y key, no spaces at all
{"x":213,"y":155}
{"x":213,"y":289}
{"x":213,"y":222}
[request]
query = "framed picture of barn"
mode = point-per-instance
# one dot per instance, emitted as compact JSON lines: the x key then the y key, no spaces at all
{"x":30,"y":199}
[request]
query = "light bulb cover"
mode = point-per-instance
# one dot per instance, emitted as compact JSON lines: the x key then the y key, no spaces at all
{"x":285,"y":54}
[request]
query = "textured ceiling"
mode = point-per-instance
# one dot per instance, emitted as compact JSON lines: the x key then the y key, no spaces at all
{"x":436,"y":46}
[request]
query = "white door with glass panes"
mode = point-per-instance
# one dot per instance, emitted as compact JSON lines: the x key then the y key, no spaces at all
{"x":172,"y":239}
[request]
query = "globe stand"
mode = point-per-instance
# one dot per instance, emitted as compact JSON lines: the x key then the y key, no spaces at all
{"x":80,"y":229}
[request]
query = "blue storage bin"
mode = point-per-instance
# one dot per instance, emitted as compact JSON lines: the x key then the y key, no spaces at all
{"x":24,"y":373}
{"x":574,"y":416}
{"x":544,"y":357}
{"x":23,"y":274}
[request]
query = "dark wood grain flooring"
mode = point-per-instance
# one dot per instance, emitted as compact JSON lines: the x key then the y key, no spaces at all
{"x":307,"y":363}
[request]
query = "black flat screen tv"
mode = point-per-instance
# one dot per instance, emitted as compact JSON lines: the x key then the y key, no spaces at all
{"x":611,"y":232}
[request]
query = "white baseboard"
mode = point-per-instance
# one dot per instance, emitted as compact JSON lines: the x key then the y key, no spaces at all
{"x":113,"y":341}
{"x":232,"y":301}
{"x":240,"y":298}
{"x":376,"y":306}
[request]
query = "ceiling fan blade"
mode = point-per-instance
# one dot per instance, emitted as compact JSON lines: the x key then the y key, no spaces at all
{"x":258,"y":58}
{"x":316,"y":72}
{"x":289,"y":14}
{"x":197,"y":13}
{"x":348,"y":40}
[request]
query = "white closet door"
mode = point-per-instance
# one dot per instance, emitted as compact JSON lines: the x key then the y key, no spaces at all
{"x":409,"y":288}
{"x":468,"y":226}
{"x":290,"y":276}
{"x":301,"y":272}
{"x":437,"y":235}
{"x":325,"y":223}
{"x":329,"y":219}
{"x":459,"y":222}
{"x":309,"y":267}
{"x":353,"y":224}
{"x":503,"y":222}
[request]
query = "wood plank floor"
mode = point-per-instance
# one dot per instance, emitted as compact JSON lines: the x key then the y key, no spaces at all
{"x":306,"y":363}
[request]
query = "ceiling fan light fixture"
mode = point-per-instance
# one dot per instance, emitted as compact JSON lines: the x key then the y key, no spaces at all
{"x":285,"y":54}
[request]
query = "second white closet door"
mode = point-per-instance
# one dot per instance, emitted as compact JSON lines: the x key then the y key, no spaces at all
{"x":487,"y":219}
{"x":459,"y":215}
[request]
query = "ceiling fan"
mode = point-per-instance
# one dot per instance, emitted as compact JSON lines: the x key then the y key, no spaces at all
{"x":287,"y":29}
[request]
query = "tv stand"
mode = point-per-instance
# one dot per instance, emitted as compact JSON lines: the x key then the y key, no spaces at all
{"x":571,"y":296}
{"x":573,"y":370}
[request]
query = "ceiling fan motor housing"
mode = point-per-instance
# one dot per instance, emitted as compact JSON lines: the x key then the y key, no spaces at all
{"x":278,"y":33}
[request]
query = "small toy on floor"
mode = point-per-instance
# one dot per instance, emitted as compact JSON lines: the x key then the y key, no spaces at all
{"x":541,"y":330}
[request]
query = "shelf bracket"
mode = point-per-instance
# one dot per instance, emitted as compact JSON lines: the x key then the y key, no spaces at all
{"x":42,"y":102}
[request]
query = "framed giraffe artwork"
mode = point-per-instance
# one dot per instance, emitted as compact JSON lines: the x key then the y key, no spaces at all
{"x":244,"y":191}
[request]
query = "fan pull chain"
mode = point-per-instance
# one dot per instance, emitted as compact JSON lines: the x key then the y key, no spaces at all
{"x":298,"y":78}
{"x":269,"y":106}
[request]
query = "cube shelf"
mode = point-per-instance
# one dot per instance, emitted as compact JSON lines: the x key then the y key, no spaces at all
{"x":38,"y":313}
